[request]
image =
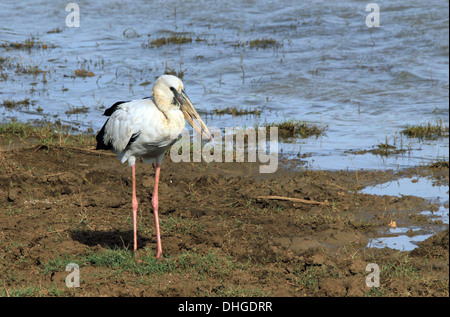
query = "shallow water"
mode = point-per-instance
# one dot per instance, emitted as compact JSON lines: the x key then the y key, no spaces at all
{"x":406,"y":238}
{"x":330,"y":68}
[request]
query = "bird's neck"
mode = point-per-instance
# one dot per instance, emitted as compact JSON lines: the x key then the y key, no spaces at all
{"x":173,"y":115}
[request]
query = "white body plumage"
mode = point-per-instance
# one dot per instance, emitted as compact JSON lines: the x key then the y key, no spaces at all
{"x":154,"y":131}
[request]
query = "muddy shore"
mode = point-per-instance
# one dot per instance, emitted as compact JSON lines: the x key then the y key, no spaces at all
{"x":223,"y":234}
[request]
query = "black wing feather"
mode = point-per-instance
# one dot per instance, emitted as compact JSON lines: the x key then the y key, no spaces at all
{"x":108,"y":112}
{"x":100,"y":142}
{"x":133,"y":138}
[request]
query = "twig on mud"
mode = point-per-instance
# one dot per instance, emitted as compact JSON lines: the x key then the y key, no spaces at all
{"x":37,"y":147}
{"x":91,"y":150}
{"x":6,"y":290}
{"x":123,"y":243}
{"x":297,"y":200}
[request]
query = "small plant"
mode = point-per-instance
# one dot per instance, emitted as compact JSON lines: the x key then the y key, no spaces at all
{"x":427,"y":131}
{"x":11,"y":104}
{"x":172,"y":71}
{"x":29,"y":69}
{"x":237,"y":111}
{"x":28,"y":44}
{"x":293,"y":128}
{"x":258,"y":43}
{"x":440,"y":164}
{"x":55,"y":30}
{"x":77,"y":110}
{"x":47,"y":134}
{"x":264,"y":43}
{"x":174,"y":39}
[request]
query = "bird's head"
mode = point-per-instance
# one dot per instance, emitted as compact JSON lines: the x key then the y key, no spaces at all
{"x":169,"y":89}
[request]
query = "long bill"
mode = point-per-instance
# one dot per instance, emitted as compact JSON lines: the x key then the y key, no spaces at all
{"x":192,"y":116}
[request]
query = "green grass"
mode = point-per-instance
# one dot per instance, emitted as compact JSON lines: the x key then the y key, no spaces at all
{"x":386,"y":149}
{"x":55,"y":265}
{"x":180,"y":225}
{"x":29,"y":69}
{"x":400,"y":267}
{"x":173,"y":39}
{"x":46,"y":134}
{"x":117,"y":259}
{"x":112,"y":264}
{"x":258,"y":43}
{"x":294,"y":128}
{"x":427,"y":131}
{"x":237,"y":111}
{"x":264,"y":43}
{"x":21,"y":68}
{"x":19,"y":129}
{"x":27,"y":44}
{"x":12,"y":211}
{"x":12,"y":104}
{"x":30,"y":291}
{"x":309,"y":277}
{"x":123,"y":260}
{"x":77,"y":110}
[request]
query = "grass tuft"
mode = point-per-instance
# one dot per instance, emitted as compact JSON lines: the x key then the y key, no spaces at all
{"x":28,"y":44}
{"x":11,"y":104}
{"x":427,"y":131}
{"x":294,"y":128}
{"x":237,"y":111}
{"x":440,"y":164}
{"x":173,"y":39}
{"x":46,"y":134}
{"x":264,"y":43}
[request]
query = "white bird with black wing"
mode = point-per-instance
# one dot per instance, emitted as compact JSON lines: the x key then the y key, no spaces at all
{"x":146,"y":128}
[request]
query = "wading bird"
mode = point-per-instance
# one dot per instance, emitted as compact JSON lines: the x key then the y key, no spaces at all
{"x":146,"y":128}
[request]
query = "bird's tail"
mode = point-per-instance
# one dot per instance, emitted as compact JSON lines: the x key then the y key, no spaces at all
{"x":101,"y":145}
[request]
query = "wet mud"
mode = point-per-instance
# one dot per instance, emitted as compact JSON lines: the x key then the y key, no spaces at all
{"x":226,"y":229}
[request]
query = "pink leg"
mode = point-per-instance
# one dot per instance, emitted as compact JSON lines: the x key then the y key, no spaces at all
{"x":134,"y":203}
{"x":155,"y":210}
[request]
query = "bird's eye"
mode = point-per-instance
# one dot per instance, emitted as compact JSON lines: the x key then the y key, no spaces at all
{"x":171,"y":88}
